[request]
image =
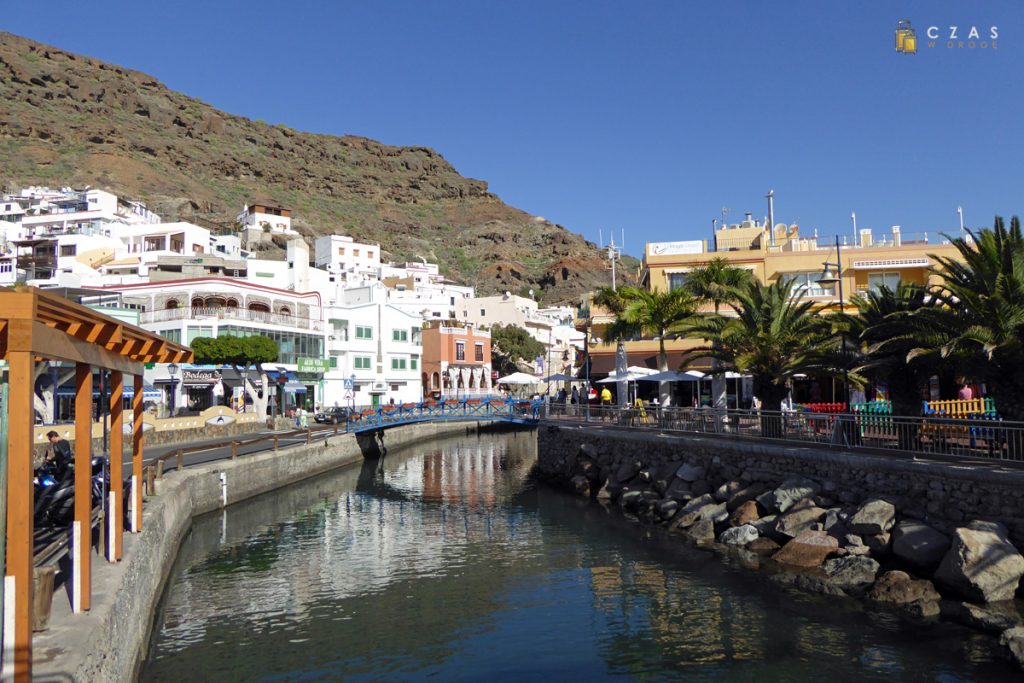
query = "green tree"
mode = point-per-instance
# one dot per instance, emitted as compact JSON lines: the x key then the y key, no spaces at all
{"x":980,"y":305}
{"x":642,"y":313}
{"x":773,"y":336}
{"x":512,"y":345}
{"x":716,"y":281}
{"x":239,"y":353}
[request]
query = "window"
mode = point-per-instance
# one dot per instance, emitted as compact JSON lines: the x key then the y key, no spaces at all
{"x":877,"y":280}
{"x":334,"y":362}
{"x":806,"y":284}
{"x":364,"y":332}
{"x":369,"y":255}
{"x":479,"y":352}
{"x":172,"y":335}
{"x":460,"y":350}
{"x":362,"y":362}
{"x":414,"y":363}
{"x":483,"y":312}
{"x":68,"y":249}
{"x":400,"y":335}
{"x":676,"y":281}
{"x":355,"y":253}
{"x":465,"y":313}
{"x":398,"y":364}
{"x":341,"y":251}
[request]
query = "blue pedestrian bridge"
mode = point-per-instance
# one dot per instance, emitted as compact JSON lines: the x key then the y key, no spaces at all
{"x":490,"y":409}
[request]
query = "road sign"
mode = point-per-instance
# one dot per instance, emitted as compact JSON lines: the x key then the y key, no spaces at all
{"x":349,"y":384}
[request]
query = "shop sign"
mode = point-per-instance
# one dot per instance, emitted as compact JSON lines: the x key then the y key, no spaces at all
{"x":200,"y":377}
{"x":313,"y":365}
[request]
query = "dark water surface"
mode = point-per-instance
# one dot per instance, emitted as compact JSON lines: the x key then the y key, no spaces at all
{"x":444,"y":563}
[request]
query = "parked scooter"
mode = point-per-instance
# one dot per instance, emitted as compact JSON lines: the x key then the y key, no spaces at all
{"x":55,"y":498}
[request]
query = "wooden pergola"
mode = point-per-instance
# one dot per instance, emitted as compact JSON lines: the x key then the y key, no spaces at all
{"x":38,"y":326}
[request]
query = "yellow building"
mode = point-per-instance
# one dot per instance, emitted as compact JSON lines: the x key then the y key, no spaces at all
{"x":868,"y":260}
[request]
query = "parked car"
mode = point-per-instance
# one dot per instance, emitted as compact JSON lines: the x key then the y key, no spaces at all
{"x":332,"y":416}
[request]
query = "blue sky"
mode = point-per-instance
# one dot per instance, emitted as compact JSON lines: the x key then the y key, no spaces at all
{"x":643,"y":116}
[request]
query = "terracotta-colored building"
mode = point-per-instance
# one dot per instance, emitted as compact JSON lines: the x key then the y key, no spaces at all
{"x":456,"y":360}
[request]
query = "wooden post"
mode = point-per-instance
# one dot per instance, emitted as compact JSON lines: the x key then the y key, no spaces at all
{"x":275,"y":443}
{"x":309,"y":436}
{"x":18,"y":579}
{"x":181,"y":460}
{"x":81,"y":532}
{"x":150,"y":479}
{"x":43,"y":598}
{"x":137,"y":456}
{"x":234,"y":450}
{"x":159,"y":473}
{"x":115,"y":515}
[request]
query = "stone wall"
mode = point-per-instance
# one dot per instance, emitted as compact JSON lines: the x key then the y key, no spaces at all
{"x":946,"y":493}
{"x":109,"y":642}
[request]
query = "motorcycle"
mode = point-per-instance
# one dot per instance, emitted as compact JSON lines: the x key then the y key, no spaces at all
{"x":55,"y":498}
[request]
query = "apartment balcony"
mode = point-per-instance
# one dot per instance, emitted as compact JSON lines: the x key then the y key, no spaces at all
{"x":227,"y":313}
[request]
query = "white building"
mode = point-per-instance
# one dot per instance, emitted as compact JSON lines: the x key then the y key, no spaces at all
{"x":552,"y":327}
{"x":340,"y":255}
{"x":266,"y":218}
{"x":374,"y":345}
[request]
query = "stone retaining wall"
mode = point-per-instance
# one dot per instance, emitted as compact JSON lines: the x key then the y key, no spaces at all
{"x":941,"y":491}
{"x":109,"y":642}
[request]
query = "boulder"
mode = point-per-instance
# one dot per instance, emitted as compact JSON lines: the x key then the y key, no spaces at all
{"x":898,"y":588}
{"x":880,"y":545}
{"x":853,"y":573}
{"x":809,"y":549}
{"x":700,"y":487}
{"x":678,"y":490}
{"x":691,"y":473}
{"x":628,"y":470}
{"x":994,"y":618}
{"x":691,"y":512}
{"x":703,"y":531}
{"x":738,"y":535}
{"x":631,"y":500}
{"x":798,"y":520}
{"x":1013,"y":640}
{"x":604,"y":493}
{"x":981,"y":563}
{"x":716,"y":513}
{"x":875,"y":516}
{"x":749,"y":492}
{"x":923,"y":609}
{"x":805,"y":582}
{"x":726,"y":491}
{"x":667,"y":508}
{"x":790,"y":491}
{"x":919,"y":544}
{"x":744,"y":514}
{"x":580,"y":485}
{"x":763,"y":546}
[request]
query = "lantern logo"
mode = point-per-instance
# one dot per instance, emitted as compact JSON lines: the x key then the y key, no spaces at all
{"x":906,"y":39}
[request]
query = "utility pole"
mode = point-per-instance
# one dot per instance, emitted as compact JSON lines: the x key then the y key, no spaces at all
{"x":853,"y":215}
{"x":621,"y":359}
{"x":771,"y":216}
{"x":960,"y":212}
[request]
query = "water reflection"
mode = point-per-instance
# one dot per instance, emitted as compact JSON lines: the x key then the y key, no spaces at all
{"x":444,"y":562}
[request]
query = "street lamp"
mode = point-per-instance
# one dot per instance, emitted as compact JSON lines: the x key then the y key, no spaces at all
{"x":352,"y":392}
{"x":172,"y":370}
{"x":829,"y":278}
{"x":446,"y":382}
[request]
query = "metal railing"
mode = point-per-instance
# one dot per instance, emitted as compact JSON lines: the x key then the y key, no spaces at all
{"x":985,"y":439}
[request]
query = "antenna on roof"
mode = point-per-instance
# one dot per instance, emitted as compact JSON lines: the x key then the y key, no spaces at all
{"x":600,"y":237}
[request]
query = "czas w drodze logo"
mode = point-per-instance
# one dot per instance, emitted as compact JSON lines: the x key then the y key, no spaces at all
{"x":906,"y":39}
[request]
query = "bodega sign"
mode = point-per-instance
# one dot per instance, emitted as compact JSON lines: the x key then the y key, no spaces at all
{"x":950,"y":37}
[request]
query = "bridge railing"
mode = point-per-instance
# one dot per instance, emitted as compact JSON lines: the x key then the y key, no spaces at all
{"x":486,"y":408}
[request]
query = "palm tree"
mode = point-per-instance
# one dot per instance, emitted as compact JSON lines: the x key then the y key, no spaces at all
{"x":981,"y":308}
{"x":773,"y":337}
{"x":885,"y":330}
{"x":716,"y":281}
{"x":639,"y":312}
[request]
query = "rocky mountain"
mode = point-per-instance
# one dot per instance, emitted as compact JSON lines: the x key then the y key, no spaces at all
{"x":74,"y":120}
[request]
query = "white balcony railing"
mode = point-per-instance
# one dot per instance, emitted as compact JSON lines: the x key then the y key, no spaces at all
{"x":226,"y":313}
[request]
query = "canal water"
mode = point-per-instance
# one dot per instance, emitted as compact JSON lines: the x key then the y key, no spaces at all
{"x":445,"y":562}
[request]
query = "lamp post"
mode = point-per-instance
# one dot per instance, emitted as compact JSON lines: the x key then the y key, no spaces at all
{"x":172,"y":370}
{"x":828,"y":277}
{"x":352,"y":392}
{"x":446,"y":382}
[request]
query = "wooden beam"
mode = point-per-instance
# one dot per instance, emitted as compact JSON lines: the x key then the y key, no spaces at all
{"x":43,"y":340}
{"x":18,"y":575}
{"x":81,"y":531}
{"x":115,"y":515}
{"x":137,"y":456}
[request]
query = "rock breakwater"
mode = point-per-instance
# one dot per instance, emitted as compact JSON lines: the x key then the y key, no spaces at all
{"x":820,"y":534}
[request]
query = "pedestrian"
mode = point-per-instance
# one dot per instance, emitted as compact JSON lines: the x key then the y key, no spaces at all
{"x":574,"y":398}
{"x":606,"y":401}
{"x":58,"y":457}
{"x":561,"y":395}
